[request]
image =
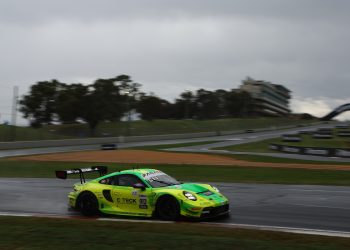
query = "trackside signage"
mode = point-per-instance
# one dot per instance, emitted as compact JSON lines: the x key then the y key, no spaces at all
{"x":329,"y":152}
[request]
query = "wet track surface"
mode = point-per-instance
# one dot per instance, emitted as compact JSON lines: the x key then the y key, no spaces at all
{"x":301,"y":206}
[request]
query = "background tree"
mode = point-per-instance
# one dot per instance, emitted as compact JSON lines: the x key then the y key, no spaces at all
{"x":69,"y":102}
{"x":106,"y":98}
{"x":222,"y":109}
{"x":39,"y":106}
{"x":238,"y":103}
{"x":185,"y":106}
{"x":208,"y":104}
{"x":152,"y":107}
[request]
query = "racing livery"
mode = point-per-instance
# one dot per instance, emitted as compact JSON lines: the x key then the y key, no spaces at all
{"x":144,"y":192}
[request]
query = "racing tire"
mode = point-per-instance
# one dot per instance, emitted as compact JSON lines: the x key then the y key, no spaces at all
{"x":168,"y":208}
{"x":88,"y":204}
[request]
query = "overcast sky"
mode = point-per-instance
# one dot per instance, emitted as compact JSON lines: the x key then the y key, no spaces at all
{"x":171,"y":46}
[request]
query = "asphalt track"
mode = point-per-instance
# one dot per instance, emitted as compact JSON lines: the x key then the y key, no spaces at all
{"x":222,"y":141}
{"x":306,"y":206}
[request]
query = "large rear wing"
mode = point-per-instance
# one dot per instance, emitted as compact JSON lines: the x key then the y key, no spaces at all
{"x":63,"y":174}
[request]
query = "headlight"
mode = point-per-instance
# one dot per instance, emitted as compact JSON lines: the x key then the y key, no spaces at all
{"x":216,"y":189}
{"x":189,"y":196}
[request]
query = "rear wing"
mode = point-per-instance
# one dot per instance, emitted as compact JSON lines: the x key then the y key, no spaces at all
{"x":63,"y":174}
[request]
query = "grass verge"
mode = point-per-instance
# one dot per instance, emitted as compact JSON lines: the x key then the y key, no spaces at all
{"x":271,"y":159}
{"x":35,"y":169}
{"x":307,"y":141}
{"x":138,"y":128}
{"x":48,"y":233}
{"x":156,"y":127}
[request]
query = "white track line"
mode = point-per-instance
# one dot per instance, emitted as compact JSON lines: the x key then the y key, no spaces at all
{"x":231,"y":225}
{"x":284,"y":229}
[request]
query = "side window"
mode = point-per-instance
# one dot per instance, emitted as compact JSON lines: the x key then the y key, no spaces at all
{"x":113,"y":180}
{"x":106,"y":181}
{"x":128,"y":180}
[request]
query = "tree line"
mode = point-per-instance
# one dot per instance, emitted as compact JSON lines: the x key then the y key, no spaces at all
{"x":112,"y":98}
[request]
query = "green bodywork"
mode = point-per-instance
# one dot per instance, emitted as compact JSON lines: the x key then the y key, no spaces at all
{"x":125,"y":200}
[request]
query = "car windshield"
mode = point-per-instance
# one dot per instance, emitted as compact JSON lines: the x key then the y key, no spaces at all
{"x":161,"y":180}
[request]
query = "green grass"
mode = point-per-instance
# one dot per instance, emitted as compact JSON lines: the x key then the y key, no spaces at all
{"x":27,"y":134}
{"x":157,"y":127}
{"x":245,"y":157}
{"x":49,"y":233}
{"x":137,"y":128}
{"x":307,"y":141}
{"x":35,"y":169}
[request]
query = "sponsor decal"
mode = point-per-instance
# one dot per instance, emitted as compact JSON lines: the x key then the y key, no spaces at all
{"x":134,"y":193}
{"x":207,"y":193}
{"x":143,"y":201}
{"x":126,"y":201}
{"x":152,"y":175}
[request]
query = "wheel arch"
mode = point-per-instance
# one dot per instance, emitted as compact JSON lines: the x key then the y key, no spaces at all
{"x":158,"y":205}
{"x":161,"y":196}
{"x":85,"y":192}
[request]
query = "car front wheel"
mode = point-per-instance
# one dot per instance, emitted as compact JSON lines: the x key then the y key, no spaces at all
{"x":168,"y":208}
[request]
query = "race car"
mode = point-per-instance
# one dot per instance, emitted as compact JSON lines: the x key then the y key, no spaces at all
{"x":143,"y":192}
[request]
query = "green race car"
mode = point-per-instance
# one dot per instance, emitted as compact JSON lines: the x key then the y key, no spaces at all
{"x":144,"y":192}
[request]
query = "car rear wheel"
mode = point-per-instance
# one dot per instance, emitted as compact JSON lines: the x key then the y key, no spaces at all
{"x":168,"y":208}
{"x":88,"y":204}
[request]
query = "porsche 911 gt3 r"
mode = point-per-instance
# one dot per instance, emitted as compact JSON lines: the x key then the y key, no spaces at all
{"x":144,"y":192}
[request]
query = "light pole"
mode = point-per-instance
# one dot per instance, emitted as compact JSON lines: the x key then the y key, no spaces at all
{"x":14,"y":113}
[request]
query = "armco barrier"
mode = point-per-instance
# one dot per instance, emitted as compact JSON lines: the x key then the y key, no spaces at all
{"x":319,"y":151}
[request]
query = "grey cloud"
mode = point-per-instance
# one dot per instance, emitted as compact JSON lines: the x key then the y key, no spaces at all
{"x":25,"y":12}
{"x":169,"y":45}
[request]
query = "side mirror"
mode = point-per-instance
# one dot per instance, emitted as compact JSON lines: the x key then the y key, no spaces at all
{"x":139,"y":186}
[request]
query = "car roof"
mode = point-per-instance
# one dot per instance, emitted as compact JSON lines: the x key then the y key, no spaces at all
{"x":141,"y":172}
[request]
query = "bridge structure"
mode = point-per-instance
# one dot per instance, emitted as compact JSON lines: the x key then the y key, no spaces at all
{"x":337,"y":111}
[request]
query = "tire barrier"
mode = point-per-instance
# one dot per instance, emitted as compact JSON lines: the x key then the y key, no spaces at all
{"x":318,"y":151}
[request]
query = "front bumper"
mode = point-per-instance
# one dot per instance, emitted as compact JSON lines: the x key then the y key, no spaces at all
{"x":211,"y":212}
{"x":72,"y":199}
{"x":205,"y":212}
